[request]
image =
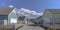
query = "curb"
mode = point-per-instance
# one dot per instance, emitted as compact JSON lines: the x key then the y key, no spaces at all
{"x":19,"y":27}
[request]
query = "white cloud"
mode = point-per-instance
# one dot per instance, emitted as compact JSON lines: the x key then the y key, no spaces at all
{"x":27,"y":12}
{"x":39,"y":14}
{"x":33,"y":13}
{"x":11,"y":6}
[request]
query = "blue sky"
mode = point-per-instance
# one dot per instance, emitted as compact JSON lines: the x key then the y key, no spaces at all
{"x":37,"y":5}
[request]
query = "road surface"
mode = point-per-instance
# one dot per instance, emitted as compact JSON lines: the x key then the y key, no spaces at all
{"x":31,"y":27}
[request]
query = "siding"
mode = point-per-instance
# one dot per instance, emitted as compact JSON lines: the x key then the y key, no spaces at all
{"x":12,"y":15}
{"x":47,"y":15}
{"x":56,"y":18}
{"x":1,"y":21}
{"x":2,"y":17}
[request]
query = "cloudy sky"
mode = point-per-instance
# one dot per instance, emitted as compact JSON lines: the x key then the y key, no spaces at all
{"x":28,"y":13}
{"x":36,"y":5}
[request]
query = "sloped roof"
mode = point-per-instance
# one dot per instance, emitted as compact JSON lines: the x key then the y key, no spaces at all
{"x":57,"y":11}
{"x":5,"y":11}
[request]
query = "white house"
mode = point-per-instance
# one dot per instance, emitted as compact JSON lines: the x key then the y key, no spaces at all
{"x":8,"y":15}
{"x":13,"y":17}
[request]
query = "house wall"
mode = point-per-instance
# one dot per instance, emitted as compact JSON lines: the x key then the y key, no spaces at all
{"x":1,"y":21}
{"x":56,"y":18}
{"x":47,"y":16}
{"x":53,"y":17}
{"x":5,"y":22}
{"x":2,"y":18}
{"x":12,"y":15}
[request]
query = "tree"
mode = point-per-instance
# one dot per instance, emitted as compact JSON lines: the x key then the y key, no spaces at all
{"x":21,"y":18}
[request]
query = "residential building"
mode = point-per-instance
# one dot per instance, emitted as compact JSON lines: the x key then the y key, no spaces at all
{"x":7,"y":15}
{"x":21,"y":19}
{"x":51,"y":18}
{"x":52,"y":15}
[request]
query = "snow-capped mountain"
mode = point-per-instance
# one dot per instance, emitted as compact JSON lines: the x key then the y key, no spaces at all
{"x":28,"y":13}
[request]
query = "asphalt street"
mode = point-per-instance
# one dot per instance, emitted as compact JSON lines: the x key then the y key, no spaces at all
{"x":31,"y":27}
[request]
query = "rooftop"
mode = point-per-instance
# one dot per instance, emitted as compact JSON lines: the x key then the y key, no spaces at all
{"x":54,"y":11}
{"x":5,"y":11}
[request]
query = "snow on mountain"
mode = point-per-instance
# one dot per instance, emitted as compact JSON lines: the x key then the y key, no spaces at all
{"x":28,"y":13}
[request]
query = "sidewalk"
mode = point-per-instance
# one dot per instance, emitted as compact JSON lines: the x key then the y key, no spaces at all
{"x":18,"y":26}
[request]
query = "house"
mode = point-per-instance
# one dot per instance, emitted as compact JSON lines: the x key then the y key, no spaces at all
{"x":52,"y":14}
{"x":8,"y":15}
{"x":21,"y":19}
{"x":51,"y":18}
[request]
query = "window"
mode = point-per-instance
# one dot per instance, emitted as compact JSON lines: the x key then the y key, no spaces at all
{"x":2,"y":17}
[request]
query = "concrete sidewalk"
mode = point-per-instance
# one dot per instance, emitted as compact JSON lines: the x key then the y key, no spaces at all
{"x":18,"y":26}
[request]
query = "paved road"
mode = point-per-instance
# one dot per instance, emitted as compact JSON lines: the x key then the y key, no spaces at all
{"x":31,"y":27}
